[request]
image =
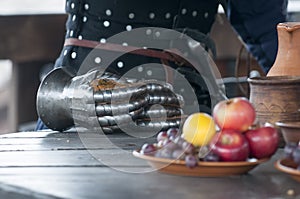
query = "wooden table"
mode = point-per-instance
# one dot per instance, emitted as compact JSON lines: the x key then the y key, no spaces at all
{"x":85,"y":165}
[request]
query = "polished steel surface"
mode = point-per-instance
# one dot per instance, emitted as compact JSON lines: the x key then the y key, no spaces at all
{"x":53,"y":100}
{"x":65,"y":100}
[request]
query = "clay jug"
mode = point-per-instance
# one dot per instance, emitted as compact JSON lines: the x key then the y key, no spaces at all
{"x":287,"y":61}
{"x":275,"y":98}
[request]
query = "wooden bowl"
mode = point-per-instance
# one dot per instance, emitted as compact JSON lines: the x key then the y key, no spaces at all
{"x":203,"y":169}
{"x":290,"y":130}
{"x":289,"y":167}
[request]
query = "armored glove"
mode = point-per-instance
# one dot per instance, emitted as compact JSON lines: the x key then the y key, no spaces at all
{"x":96,"y":100}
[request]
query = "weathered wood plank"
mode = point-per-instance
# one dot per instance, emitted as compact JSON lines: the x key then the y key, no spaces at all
{"x":107,"y":171}
{"x":113,"y":157}
{"x":110,"y":183}
{"x":38,"y":134}
{"x":16,"y":192}
{"x":70,"y":140}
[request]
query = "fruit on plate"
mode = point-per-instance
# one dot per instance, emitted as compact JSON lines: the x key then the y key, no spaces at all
{"x":191,"y":161}
{"x":198,"y":139}
{"x":236,"y":113}
{"x":292,"y":151}
{"x":172,"y":146}
{"x":198,"y":129}
{"x":289,"y":149}
{"x":172,"y":132}
{"x":230,"y":145}
{"x":211,"y":157}
{"x":296,"y":156}
{"x":263,"y":141}
{"x":161,"y":136}
{"x":148,"y":149}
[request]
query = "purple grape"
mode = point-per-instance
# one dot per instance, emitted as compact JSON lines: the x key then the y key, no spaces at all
{"x":178,"y":154}
{"x":164,"y":153}
{"x":162,"y":136}
{"x":148,"y":149}
{"x":191,"y":161}
{"x":160,"y":144}
{"x":188,"y":147}
{"x":179,"y":140}
{"x":288,"y":149}
{"x":296,"y":155}
{"x":169,"y":144}
{"x":211,"y":157}
{"x":203,"y":151}
{"x":173,"y":132}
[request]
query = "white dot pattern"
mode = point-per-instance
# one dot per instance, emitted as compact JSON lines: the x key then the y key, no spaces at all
{"x":131,"y":15}
{"x":108,"y":12}
{"x":84,"y":19}
{"x":157,"y":34}
{"x":206,"y":15}
{"x":86,"y":6}
{"x":103,"y":40}
{"x":148,"y":31}
{"x":151,"y":15}
{"x":194,"y":13}
{"x":73,"y":55}
{"x":65,"y":52}
{"x":168,"y":15}
{"x":106,"y":24}
{"x":128,"y":27}
{"x":120,"y":64}
{"x":140,"y":69}
{"x":98,"y":60}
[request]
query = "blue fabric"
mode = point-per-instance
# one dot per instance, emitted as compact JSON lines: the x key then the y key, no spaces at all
{"x":255,"y":21}
{"x":40,"y":125}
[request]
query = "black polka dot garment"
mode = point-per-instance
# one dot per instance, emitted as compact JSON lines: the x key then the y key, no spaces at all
{"x":97,"y":20}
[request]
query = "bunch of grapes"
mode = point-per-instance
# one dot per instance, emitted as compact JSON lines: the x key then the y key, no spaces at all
{"x":170,"y":144}
{"x":292,"y":151}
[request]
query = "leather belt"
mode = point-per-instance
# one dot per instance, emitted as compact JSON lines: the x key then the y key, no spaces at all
{"x":167,"y":55}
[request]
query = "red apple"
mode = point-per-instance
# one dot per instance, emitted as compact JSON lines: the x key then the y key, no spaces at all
{"x":230,"y":145}
{"x":236,"y":113}
{"x":263,"y":141}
